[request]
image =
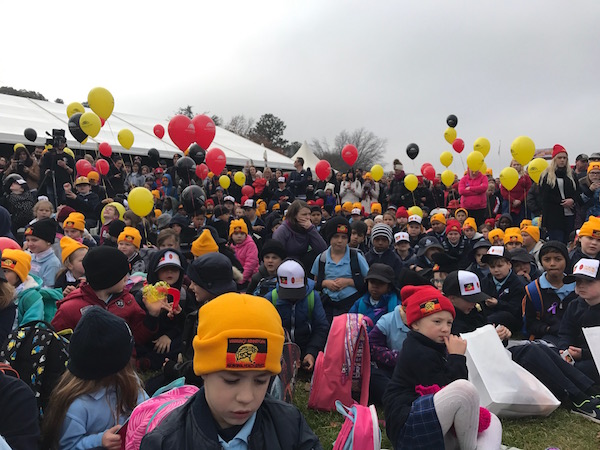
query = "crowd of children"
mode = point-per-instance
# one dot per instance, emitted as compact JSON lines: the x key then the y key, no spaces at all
{"x":210,"y":290}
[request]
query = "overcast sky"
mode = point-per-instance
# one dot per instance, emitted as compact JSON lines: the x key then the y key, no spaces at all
{"x":398,"y":68}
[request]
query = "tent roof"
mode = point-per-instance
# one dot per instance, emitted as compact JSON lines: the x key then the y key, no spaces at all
{"x":310,"y":159}
{"x":18,"y":113}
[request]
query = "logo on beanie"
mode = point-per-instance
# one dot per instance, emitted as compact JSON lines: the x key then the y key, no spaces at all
{"x":430,"y":307}
{"x":129,"y":238}
{"x":28,"y":231}
{"x":596,"y":234}
{"x":341,"y":229}
{"x":8,"y":263}
{"x":246,"y":353}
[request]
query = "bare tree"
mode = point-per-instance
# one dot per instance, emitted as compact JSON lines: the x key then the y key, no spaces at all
{"x":371,"y":149}
{"x":240,"y":125}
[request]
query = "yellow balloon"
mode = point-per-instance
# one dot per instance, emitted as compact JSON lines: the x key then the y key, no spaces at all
{"x":482,"y":145}
{"x":446,"y":158}
{"x":84,"y":141}
{"x":140,"y":201}
{"x":224,"y":181}
{"x":483,"y":168}
{"x":415,"y":210}
{"x":74,"y":108}
{"x":450,"y":135}
{"x":101,"y":101}
{"x":522,"y":150}
{"x":239,"y":178}
{"x":117,"y":205}
{"x":125,"y":137}
{"x":509,"y":177}
{"x":474,"y":161}
{"x":90,"y":124}
{"x":447,"y":178}
{"x":411,"y":182}
{"x":536,"y":167}
{"x":377,"y":172}
{"x":68,"y":151}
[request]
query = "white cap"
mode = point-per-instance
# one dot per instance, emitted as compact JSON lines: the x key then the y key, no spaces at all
{"x":401,"y":236}
{"x":281,"y":180}
{"x":290,"y":280}
{"x":415,"y":218}
{"x":587,"y":267}
{"x":356,"y":211}
{"x":249,"y":203}
{"x":169,"y":259}
{"x":229,"y":198}
{"x":496,"y":250}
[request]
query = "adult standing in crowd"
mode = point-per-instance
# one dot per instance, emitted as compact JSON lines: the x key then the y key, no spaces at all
{"x":473,"y":194}
{"x":351,"y":188}
{"x":370,"y":192}
{"x":26,"y":166}
{"x":297,"y":181}
{"x":116,"y":177}
{"x":396,"y":189}
{"x":581,"y":165}
{"x":57,"y":168}
{"x":516,"y":199}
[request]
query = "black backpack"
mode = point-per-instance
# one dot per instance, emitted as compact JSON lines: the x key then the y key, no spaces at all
{"x":359,"y":281}
{"x":40,"y":355}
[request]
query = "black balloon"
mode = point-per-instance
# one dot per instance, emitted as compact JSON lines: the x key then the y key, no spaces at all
{"x":412,"y":150}
{"x":30,"y":134}
{"x":186,"y":168}
{"x":153,"y":154}
{"x":192,"y":198}
{"x":452,"y":120}
{"x":197,"y":153}
{"x":75,"y":129}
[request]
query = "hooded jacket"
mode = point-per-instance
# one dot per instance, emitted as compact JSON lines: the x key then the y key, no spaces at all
{"x":247,"y":254}
{"x":31,"y":305}
{"x":167,"y":189}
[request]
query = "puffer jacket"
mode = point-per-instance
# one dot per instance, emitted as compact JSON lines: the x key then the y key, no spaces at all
{"x":297,"y":241}
{"x":475,"y":197}
{"x":30,"y":302}
{"x":247,"y":254}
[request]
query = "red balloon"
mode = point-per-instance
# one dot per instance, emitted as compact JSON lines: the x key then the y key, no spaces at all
{"x":159,"y":131}
{"x":323,"y":169}
{"x":102,"y":166}
{"x":8,"y":243}
{"x":182,"y":131}
{"x":105,"y":149}
{"x":102,"y":122}
{"x":215,"y":160}
{"x":458,"y":145}
{"x":425,"y":166}
{"x":205,"y":130}
{"x":83,"y":167}
{"x":243,"y":200}
{"x":202,"y":171}
{"x":429,"y":173}
{"x":248,"y":191}
{"x":349,"y":154}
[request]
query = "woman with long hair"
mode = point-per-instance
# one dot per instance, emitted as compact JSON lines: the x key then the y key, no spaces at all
{"x":26,"y":166}
{"x":559,"y":192}
{"x":351,"y":188}
{"x":517,"y":197}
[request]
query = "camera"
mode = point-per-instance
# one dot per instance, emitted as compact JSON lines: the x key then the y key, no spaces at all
{"x":58,"y":137}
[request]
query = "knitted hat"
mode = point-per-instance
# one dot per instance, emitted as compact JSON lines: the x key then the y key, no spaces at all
{"x":101,"y":345}
{"x":591,"y":228}
{"x":469,"y":223}
{"x":382,"y":230}
{"x":557,"y":149}
{"x":337,"y":225}
{"x":496,"y":233}
{"x":438,"y":217}
{"x":18,"y":261}
{"x":463,"y":210}
{"x":330,"y":187}
{"x":273,"y":246}
{"x":554,"y":246}
{"x":347,"y":207}
{"x":213,"y":273}
{"x":68,"y":246}
{"x":204,"y":244}
{"x":453,"y":225}
{"x":423,"y":301}
{"x":376,"y":208}
{"x":131,"y":235}
{"x":238,"y":225}
{"x":490,"y":222}
{"x":74,"y":221}
{"x":104,"y":267}
{"x":337,"y":209}
{"x":64,"y":213}
{"x":402,"y":212}
{"x":593,"y":166}
{"x":532,"y":231}
{"x":44,"y":229}
{"x":512,"y":234}
{"x":238,"y":332}
{"x":525,"y":223}
{"x":115,"y":228}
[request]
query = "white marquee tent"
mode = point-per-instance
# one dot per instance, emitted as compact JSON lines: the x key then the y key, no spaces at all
{"x":18,"y":113}
{"x":310,"y":159}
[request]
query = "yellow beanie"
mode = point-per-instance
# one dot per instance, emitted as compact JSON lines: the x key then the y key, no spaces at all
{"x":357,"y":205}
{"x":347,"y":207}
{"x":338,"y":208}
{"x":68,"y":246}
{"x":74,"y":221}
{"x":469,"y":223}
{"x":157,"y":213}
{"x":496,"y":232}
{"x":513,"y":234}
{"x":238,"y":225}
{"x":204,"y":244}
{"x":18,"y":261}
{"x":463,"y":210}
{"x":376,"y":208}
{"x":439,"y":217}
{"x":131,"y":235}
{"x":595,"y":165}
{"x":591,"y":228}
{"x":532,"y":231}
{"x":238,"y":332}
{"x":525,"y":223}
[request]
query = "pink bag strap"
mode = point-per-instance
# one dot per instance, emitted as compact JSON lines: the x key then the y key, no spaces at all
{"x":365,"y":370}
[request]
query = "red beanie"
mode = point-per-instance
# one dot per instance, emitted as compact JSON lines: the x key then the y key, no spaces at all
{"x":558,"y":149}
{"x":491,"y":222}
{"x":453,"y":225}
{"x":422,"y":301}
{"x":402,"y":212}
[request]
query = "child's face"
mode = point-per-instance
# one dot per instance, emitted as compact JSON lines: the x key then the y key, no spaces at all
{"x":377,"y":288}
{"x":176,"y":228}
{"x":589,"y":290}
{"x":73,"y":233}
{"x":438,"y":279}
{"x":36,"y":245}
{"x":461,"y":216}
{"x":499,"y":268}
{"x":380,"y":243}
{"x":414,"y":229}
{"x":11,"y":277}
{"x":378,"y":220}
{"x":127,"y":248}
{"x":511,"y":245}
{"x":250,"y":213}
{"x":169,"y":274}
{"x":201,"y":294}
{"x":170,"y":242}
{"x":43,"y":212}
{"x":16,"y":188}
{"x":504,"y":223}
{"x":528,"y":241}
{"x":401,"y":221}
{"x":461,"y":304}
{"x":356,"y":239}
{"x":589,"y":245}
{"x":198,"y":220}
{"x":521,"y":268}
{"x":239,"y":211}
{"x":498,"y":241}
{"x":272,"y":263}
{"x":469,"y":232}
{"x":339,"y":241}
{"x":436,"y":326}
{"x":478,"y":255}
{"x":485,"y":231}
{"x":388,"y":220}
{"x":453,"y":237}
{"x":83,"y":188}
{"x":110,"y":213}
{"x":233,"y":396}
{"x":554,"y":264}
{"x":437,"y":226}
{"x":238,"y":237}
{"x":315,"y":217}
{"x":402,"y":246}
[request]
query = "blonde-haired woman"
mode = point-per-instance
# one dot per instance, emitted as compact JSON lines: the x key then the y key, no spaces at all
{"x":559,"y":192}
{"x":517,"y":195}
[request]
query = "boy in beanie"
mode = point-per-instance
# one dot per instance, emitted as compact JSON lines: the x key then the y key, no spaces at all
{"x":128,"y":243}
{"x":455,"y":244}
{"x":438,"y":226}
{"x":115,"y":228}
{"x":272,"y":255}
{"x":496,"y":237}
{"x":237,"y":349}
{"x":106,"y":271}
{"x":39,"y":238}
{"x":513,"y":238}
{"x":589,"y":243}
{"x":382,"y":250}
{"x":358,"y":235}
{"x":532,"y":242}
{"x":74,"y":227}
{"x":85,"y":201}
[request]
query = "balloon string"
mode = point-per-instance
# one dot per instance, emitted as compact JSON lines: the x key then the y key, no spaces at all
{"x":105,"y":191}
{"x":413,"y":196}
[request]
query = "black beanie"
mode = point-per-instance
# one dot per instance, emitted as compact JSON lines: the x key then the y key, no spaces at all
{"x":104,"y":267}
{"x":101,"y":345}
{"x":273,"y":246}
{"x":554,"y":246}
{"x":337,"y":224}
{"x":44,"y":229}
{"x":115,"y":228}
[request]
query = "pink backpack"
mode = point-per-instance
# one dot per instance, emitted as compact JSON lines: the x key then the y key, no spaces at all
{"x":360,"y":430}
{"x":345,"y":366}
{"x":149,"y":414}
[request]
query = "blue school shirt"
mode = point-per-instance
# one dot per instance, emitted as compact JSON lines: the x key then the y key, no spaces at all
{"x":240,"y":441}
{"x":561,"y":292}
{"x":45,"y":265}
{"x":341,"y":269}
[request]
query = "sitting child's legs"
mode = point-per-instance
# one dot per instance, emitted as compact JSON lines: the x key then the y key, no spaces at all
{"x":457,"y":405}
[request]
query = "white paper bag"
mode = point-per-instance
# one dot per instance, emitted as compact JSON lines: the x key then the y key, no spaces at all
{"x":505,"y":388}
{"x":592,"y":336}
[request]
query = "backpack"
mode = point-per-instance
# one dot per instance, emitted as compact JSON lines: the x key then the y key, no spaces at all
{"x":534,"y":292}
{"x":266,"y":284}
{"x":282,"y":387}
{"x":40,"y":355}
{"x":344,"y":367}
{"x":360,"y":429}
{"x":310,"y":299}
{"x":359,"y":281}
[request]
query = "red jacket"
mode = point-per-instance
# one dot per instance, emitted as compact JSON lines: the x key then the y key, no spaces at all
{"x":142,"y":325}
{"x":519,"y":192}
{"x":475,"y":197}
